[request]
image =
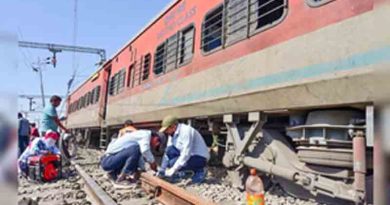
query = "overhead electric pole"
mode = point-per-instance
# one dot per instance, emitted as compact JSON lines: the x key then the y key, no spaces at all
{"x":56,"y":48}
{"x":37,"y":67}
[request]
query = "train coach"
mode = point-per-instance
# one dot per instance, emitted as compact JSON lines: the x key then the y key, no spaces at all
{"x":288,"y":85}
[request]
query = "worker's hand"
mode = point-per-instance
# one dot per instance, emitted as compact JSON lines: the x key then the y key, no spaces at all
{"x":153,"y":166}
{"x":169,"y":172}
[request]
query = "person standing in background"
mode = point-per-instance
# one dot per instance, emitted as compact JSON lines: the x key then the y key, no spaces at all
{"x":23,"y":133}
{"x":34,"y":133}
{"x":50,"y":120}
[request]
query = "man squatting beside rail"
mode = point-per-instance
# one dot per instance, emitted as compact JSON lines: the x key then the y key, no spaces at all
{"x":124,"y":156}
{"x":186,"y":151}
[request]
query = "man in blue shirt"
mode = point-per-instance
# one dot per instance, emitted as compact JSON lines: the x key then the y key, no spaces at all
{"x":122,"y":157}
{"x":186,"y":150}
{"x":23,"y":133}
{"x":50,"y":120}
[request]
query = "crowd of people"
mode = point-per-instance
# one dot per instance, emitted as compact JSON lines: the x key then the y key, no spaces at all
{"x":185,"y":154}
{"x":34,"y":142}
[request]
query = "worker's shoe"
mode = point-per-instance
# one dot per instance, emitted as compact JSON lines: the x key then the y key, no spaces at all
{"x":199,"y":176}
{"x":123,"y":184}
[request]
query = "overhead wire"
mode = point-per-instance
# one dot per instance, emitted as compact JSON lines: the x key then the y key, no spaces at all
{"x":27,"y":60}
{"x":74,"y":57}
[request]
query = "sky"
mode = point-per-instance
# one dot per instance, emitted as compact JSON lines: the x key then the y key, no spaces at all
{"x":106,"y":24}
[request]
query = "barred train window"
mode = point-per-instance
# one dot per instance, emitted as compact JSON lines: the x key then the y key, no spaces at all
{"x":121,"y":80}
{"x":266,"y":13}
{"x":175,"y":51}
{"x":186,"y":45}
{"x":236,"y":20}
{"x":171,"y":53}
{"x":317,"y":3}
{"x":138,"y":71}
{"x":88,"y":98}
{"x":146,"y":67}
{"x":212,"y":30}
{"x":97,"y":94}
{"x":83,"y":101}
{"x":243,"y":18}
{"x":159,"y":59}
{"x":92,"y":96}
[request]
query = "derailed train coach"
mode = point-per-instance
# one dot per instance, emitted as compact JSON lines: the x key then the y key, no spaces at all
{"x":287,"y":85}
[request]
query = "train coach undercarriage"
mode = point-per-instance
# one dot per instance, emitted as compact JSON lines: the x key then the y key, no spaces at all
{"x":319,"y":154}
{"x":324,"y":155}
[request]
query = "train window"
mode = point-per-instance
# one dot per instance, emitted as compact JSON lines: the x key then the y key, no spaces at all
{"x":111,"y":86}
{"x":317,"y":3}
{"x":171,"y":54}
{"x":91,"y":96}
{"x":97,"y":94}
{"x":138,"y":71}
{"x":82,"y":102}
{"x":212,"y":30}
{"x":265,"y":13}
{"x":131,"y":76}
{"x":121,"y":80}
{"x":236,"y":20}
{"x":87,"y":99}
{"x":159,"y":59}
{"x":79,"y":104}
{"x":186,"y":45}
{"x":114,"y":84}
{"x":146,"y":67}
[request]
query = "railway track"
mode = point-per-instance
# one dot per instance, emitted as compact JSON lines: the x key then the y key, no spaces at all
{"x":86,"y":184}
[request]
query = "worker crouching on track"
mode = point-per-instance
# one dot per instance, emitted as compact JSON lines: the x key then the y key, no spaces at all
{"x":186,"y":151}
{"x":39,"y":146}
{"x":124,"y":155}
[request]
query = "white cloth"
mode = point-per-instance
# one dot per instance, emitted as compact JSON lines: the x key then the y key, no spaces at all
{"x":189,"y":142}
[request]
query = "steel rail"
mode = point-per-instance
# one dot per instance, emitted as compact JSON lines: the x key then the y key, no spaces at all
{"x":169,"y":194}
{"x":94,"y":190}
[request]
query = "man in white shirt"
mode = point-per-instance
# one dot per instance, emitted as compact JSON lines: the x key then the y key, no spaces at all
{"x":121,"y":159}
{"x":186,"y":150}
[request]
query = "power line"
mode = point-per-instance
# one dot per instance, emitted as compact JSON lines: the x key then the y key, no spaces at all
{"x":27,"y":60}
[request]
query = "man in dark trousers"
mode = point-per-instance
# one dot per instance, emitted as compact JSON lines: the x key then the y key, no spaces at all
{"x":186,"y":151}
{"x":122,"y":157}
{"x":23,"y":133}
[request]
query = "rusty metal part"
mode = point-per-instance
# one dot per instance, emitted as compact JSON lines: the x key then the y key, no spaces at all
{"x":93,"y":189}
{"x":359,"y":164}
{"x":167,"y":193}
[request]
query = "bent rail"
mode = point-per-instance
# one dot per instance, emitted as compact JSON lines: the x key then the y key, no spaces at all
{"x":167,"y":193}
